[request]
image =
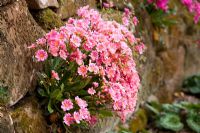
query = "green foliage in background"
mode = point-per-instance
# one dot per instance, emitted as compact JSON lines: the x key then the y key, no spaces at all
{"x":168,"y":116}
{"x":170,"y":121}
{"x":159,"y":18}
{"x":192,"y":84}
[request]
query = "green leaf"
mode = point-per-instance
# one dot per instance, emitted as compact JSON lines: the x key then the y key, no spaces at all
{"x":154,"y":107}
{"x":193,"y":122}
{"x":191,"y":106}
{"x":56,"y":62}
{"x":83,"y":93}
{"x":192,"y":84}
{"x":195,"y":90}
{"x":62,"y":86}
{"x":49,"y":107}
{"x":65,"y":77}
{"x":79,"y":84}
{"x":3,"y":91}
{"x":171,"y":122}
{"x":170,"y":108}
{"x":47,"y":67}
{"x":56,"y":94}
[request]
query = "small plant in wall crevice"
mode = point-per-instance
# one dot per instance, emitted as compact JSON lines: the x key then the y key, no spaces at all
{"x":89,"y":69}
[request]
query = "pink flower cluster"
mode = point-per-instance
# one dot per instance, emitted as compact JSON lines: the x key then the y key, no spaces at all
{"x":128,"y":18}
{"x":140,"y":48}
{"x":99,"y":48}
{"x":194,"y":7}
{"x":108,"y":4}
{"x":76,"y":116}
{"x":160,"y":4}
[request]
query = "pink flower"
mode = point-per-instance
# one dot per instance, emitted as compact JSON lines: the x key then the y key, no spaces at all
{"x":196,"y":12}
{"x":78,"y":56}
{"x":94,"y":55}
{"x":162,"y":4}
{"x":100,"y":47}
{"x":95,"y":84}
{"x":77,"y":117}
{"x":150,"y":1}
{"x":84,"y":113}
{"x":101,"y":71}
{"x":67,"y":105}
{"x":91,"y":91}
{"x":93,"y":68}
{"x":125,"y":21}
{"x":135,"y":21}
{"x":93,"y":120}
{"x":196,"y":19}
{"x":188,"y":3}
{"x":127,"y":11}
{"x":53,"y":51}
{"x":131,"y":38}
{"x":140,"y":48}
{"x":76,"y":41}
{"x":115,"y":94}
{"x":54,"y":43}
{"x":117,"y":105}
{"x":32,"y":46}
{"x":108,"y":5}
{"x":41,"y":41}
{"x":82,"y":70}
{"x":63,"y":54}
{"x":110,"y":72}
{"x":52,"y":35}
{"x":55,"y":75}
{"x":81,"y":103}
{"x":83,"y":11}
{"x":41,"y":55}
{"x":68,"y":119}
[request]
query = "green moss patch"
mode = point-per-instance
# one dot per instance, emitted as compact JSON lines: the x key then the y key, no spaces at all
{"x":47,"y":19}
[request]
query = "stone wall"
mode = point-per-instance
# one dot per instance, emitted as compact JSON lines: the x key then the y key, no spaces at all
{"x":171,"y":56}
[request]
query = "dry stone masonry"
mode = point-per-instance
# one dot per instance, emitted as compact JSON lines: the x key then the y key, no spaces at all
{"x":165,"y":66}
{"x":68,"y":8}
{"x":17,"y":30}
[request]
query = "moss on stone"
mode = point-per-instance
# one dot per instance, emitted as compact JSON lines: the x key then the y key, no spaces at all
{"x":4,"y":95}
{"x":112,"y":14}
{"x":139,"y":121}
{"x":48,"y":19}
{"x":28,"y":118}
{"x":25,"y":122}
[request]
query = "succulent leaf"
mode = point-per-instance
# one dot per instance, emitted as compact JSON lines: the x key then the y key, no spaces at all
{"x":193,"y":121}
{"x":171,"y":122}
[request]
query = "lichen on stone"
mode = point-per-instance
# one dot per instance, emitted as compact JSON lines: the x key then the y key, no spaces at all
{"x":139,"y":121}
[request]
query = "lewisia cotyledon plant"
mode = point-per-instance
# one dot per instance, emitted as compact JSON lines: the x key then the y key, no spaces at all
{"x":192,"y":5}
{"x":90,"y":67}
